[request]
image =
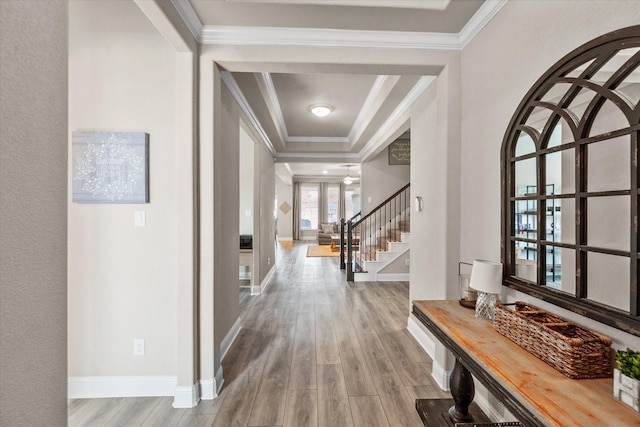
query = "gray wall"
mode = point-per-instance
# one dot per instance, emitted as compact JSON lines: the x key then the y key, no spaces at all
{"x":33,"y":223}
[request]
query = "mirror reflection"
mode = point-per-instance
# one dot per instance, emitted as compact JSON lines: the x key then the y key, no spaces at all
{"x":608,"y":222}
{"x":526,"y":265}
{"x":561,"y":269}
{"x":607,"y":164}
{"x":560,"y":172}
{"x":608,"y":280}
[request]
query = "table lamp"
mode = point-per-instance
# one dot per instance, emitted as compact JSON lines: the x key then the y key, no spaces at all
{"x":486,"y":278}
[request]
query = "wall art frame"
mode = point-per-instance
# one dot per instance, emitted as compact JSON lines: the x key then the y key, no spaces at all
{"x":110,"y":167}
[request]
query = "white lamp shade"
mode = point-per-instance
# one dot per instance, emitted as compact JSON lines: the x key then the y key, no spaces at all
{"x":486,"y":276}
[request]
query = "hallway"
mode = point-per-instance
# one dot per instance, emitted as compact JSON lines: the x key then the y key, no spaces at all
{"x":313,"y":350}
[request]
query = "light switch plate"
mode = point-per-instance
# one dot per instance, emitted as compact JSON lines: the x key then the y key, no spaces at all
{"x":139,"y":218}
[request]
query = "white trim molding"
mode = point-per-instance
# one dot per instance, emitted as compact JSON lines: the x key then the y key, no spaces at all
{"x":428,"y":343}
{"x":208,"y":389}
{"x":231,"y":336}
{"x":258,"y":290}
{"x":186,"y":397}
{"x":120,"y":386}
{"x":317,"y":37}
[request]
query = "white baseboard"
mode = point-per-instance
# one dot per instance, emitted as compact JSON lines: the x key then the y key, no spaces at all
{"x":428,"y":343}
{"x":186,"y":397}
{"x":219,"y":380}
{"x":441,"y":376}
{"x":229,"y":338}
{"x":116,"y":386}
{"x":420,"y":334}
{"x":393,"y":277}
{"x":208,"y":389}
{"x":258,"y":290}
{"x":285,"y":239}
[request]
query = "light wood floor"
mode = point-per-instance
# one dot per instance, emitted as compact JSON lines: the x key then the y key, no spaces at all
{"x":314,"y":350}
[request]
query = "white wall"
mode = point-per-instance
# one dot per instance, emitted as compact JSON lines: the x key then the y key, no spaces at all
{"x":379,"y":180}
{"x":123,"y":280}
{"x":33,"y":224}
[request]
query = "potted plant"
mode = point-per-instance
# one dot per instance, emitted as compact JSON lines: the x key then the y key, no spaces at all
{"x":626,"y":377}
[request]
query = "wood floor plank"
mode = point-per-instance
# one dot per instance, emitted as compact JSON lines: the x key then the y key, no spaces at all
{"x":238,"y":401}
{"x":196,"y":420}
{"x":411,"y":373}
{"x":327,"y":351}
{"x":90,"y":412}
{"x":166,"y":415}
{"x":268,"y":408}
{"x":303,"y":361}
{"x":333,"y":400}
{"x":397,"y":404}
{"x":367,"y":411}
{"x":301,"y":409}
{"x":354,"y":366}
{"x":133,"y":412}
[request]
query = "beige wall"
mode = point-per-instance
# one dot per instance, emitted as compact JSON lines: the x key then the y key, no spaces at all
{"x":33,"y":225}
{"x":246,"y":172}
{"x":124,"y":280}
{"x":379,"y":180}
{"x":265,"y":223}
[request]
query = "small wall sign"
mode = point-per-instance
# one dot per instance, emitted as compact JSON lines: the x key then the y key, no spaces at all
{"x":110,"y":167}
{"x":400,"y":152}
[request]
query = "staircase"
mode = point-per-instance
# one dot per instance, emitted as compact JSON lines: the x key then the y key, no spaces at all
{"x":390,"y":249}
{"x":376,"y":247}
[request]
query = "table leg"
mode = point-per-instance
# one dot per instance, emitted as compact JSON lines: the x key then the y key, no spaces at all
{"x":462,"y":390}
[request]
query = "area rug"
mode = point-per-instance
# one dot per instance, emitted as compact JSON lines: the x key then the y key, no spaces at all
{"x":320,"y":250}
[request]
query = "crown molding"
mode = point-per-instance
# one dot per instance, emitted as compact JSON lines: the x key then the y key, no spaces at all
{"x":237,"y":94}
{"x":322,"y":37}
{"x":317,"y":37}
{"x":398,"y":116}
{"x":190,"y":17}
{"x":487,"y":11}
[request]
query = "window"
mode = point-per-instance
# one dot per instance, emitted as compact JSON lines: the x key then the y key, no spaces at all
{"x":351,"y":201}
{"x":333,"y":200}
{"x":309,"y":206}
{"x":571,"y":184}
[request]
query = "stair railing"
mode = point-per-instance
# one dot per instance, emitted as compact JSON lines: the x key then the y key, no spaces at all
{"x":371,"y":233}
{"x":343,"y":238}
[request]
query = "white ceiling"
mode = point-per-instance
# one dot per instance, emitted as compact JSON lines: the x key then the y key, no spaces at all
{"x":277,"y":99}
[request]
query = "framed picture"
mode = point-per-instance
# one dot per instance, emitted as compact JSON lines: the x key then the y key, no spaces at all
{"x":110,"y":167}
{"x":400,"y":152}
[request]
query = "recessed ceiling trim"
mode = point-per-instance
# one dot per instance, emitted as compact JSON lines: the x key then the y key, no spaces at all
{"x":379,"y":92}
{"x":318,"y":155}
{"x":231,"y":83}
{"x":408,"y":4}
{"x":341,"y":139}
{"x":274,"y":105}
{"x":485,"y":13}
{"x":336,"y":38}
{"x":400,"y":114}
{"x":320,"y":37}
{"x":190,"y":17}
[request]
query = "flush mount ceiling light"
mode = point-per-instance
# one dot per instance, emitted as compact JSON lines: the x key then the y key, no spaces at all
{"x":320,"y":110}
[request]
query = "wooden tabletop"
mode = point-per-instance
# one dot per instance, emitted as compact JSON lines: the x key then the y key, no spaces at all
{"x":526,"y":383}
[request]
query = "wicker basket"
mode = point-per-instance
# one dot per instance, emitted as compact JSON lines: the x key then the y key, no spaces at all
{"x":569,"y":348}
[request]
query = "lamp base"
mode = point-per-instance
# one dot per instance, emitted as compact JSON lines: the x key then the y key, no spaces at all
{"x":485,"y":305}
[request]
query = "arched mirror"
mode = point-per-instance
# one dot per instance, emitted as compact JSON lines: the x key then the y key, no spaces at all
{"x":571,"y":184}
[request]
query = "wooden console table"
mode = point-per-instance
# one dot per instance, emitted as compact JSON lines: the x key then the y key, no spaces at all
{"x":532,"y":391}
